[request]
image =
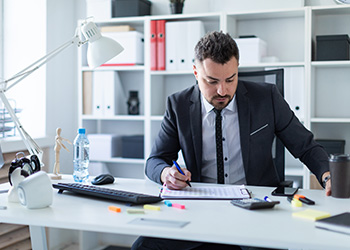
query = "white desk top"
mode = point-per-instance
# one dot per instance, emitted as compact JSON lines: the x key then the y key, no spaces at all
{"x":212,"y":221}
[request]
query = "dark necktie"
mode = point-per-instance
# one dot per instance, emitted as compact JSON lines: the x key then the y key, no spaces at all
{"x":219,"y":154}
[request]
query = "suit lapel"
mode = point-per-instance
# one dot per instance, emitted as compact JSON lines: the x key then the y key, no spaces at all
{"x":244,"y":122}
{"x":196,"y":127}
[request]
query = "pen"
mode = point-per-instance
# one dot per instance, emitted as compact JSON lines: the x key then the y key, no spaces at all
{"x":180,"y":171}
{"x":303,"y":199}
{"x":266,"y":198}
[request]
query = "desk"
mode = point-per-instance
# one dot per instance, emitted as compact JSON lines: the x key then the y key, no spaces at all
{"x":211,"y":221}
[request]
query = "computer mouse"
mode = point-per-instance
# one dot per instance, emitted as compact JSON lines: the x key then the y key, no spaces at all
{"x":103,"y":179}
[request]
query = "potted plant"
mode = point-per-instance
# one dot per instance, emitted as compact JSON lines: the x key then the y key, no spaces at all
{"x":176,"y":6}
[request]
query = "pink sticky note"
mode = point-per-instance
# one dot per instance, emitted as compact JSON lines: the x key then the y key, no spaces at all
{"x":178,"y":206}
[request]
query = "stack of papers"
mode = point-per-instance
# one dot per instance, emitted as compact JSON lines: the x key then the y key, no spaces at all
{"x":226,"y":192}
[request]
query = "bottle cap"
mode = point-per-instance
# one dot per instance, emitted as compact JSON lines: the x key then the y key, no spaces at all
{"x":81,"y":130}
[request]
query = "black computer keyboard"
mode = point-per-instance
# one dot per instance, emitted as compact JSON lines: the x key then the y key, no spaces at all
{"x":107,"y":193}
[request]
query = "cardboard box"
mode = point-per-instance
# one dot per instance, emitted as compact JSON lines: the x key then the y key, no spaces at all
{"x":133,"y":44}
{"x":104,"y":146}
{"x":133,"y":146}
{"x":251,"y":50}
{"x":332,"y":47}
{"x":122,"y":8}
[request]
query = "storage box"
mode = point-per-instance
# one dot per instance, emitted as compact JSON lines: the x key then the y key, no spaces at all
{"x":332,"y":146}
{"x":104,"y":146}
{"x":332,"y":47}
{"x":122,"y":8}
{"x":251,"y":50}
{"x":99,"y":9}
{"x":133,"y":44}
{"x":133,"y":146}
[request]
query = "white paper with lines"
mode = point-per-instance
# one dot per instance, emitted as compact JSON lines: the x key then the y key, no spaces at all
{"x":225,"y":192}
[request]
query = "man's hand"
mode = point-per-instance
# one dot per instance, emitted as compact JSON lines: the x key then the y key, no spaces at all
{"x":328,"y":183}
{"x":173,"y":179}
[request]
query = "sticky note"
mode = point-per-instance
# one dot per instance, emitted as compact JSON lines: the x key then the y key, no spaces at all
{"x":180,"y":206}
{"x":135,"y":211}
{"x":114,"y":209}
{"x":151,"y":207}
{"x":311,"y":214}
{"x":296,"y":203}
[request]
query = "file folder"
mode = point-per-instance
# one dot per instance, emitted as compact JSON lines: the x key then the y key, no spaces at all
{"x":171,"y":29}
{"x":182,"y":45}
{"x":97,"y":85}
{"x":87,"y":93}
{"x":153,"y":45}
{"x":161,"y":40}
{"x":195,"y":31}
{"x":294,"y":90}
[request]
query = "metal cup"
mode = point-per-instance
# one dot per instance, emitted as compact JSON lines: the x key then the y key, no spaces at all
{"x":339,"y":166}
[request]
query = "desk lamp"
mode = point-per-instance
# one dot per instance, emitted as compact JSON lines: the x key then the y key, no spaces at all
{"x":100,"y":50}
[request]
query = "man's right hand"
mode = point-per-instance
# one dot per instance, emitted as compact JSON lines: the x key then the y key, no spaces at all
{"x":173,"y":179}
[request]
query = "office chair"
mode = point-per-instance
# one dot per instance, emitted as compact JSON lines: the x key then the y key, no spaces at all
{"x":272,"y":77}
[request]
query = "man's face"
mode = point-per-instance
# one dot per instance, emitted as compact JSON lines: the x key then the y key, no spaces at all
{"x":217,"y":82}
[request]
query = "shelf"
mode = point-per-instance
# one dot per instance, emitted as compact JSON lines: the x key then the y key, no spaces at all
{"x":116,"y":68}
{"x":206,"y":17}
{"x":330,"y":64}
{"x":242,"y":66}
{"x":115,"y":118}
{"x":330,"y":120}
{"x":279,"y":13}
{"x":272,"y":65}
{"x":121,"y":160}
{"x":157,"y":118}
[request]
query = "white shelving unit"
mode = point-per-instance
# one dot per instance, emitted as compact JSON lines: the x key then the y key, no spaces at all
{"x":289,"y":35}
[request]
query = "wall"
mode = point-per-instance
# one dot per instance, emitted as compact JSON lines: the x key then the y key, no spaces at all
{"x":62,"y":16}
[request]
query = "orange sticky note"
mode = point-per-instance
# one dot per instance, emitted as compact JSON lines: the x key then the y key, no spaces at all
{"x":114,"y":209}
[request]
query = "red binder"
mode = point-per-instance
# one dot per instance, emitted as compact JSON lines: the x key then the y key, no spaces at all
{"x":153,"y":45}
{"x":161,"y":45}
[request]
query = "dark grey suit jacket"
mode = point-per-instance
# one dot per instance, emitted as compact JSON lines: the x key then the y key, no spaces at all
{"x":258,"y":105}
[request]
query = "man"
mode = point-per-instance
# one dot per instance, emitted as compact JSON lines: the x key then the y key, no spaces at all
{"x":251,"y":113}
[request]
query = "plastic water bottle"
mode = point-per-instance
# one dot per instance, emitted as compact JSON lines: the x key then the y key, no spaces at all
{"x":81,"y":157}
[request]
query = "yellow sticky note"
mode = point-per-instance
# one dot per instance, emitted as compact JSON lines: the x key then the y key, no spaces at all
{"x":296,"y":203}
{"x":151,"y":207}
{"x":311,"y":214}
{"x":135,"y":211}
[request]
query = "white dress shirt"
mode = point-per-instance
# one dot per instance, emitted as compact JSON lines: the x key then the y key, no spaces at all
{"x":231,"y":145}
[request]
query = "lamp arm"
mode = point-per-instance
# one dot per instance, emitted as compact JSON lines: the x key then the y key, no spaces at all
{"x":36,"y":65}
{"x":30,"y":144}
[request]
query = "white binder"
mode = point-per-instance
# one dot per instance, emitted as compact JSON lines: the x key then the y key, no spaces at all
{"x":98,"y":91}
{"x":182,"y":45}
{"x":294,"y":89}
{"x":171,"y":33}
{"x":195,"y":30}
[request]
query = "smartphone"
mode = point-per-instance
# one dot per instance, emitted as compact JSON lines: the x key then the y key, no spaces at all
{"x":284,"y":191}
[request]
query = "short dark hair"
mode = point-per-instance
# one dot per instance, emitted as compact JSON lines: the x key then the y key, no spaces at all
{"x":217,"y":46}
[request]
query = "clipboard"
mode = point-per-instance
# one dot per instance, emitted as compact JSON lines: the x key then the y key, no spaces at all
{"x":224,"y":192}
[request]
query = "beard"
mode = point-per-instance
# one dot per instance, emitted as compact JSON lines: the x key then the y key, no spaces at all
{"x":220,"y":102}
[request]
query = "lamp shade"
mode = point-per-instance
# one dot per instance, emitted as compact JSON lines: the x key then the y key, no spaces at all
{"x":101,"y":49}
